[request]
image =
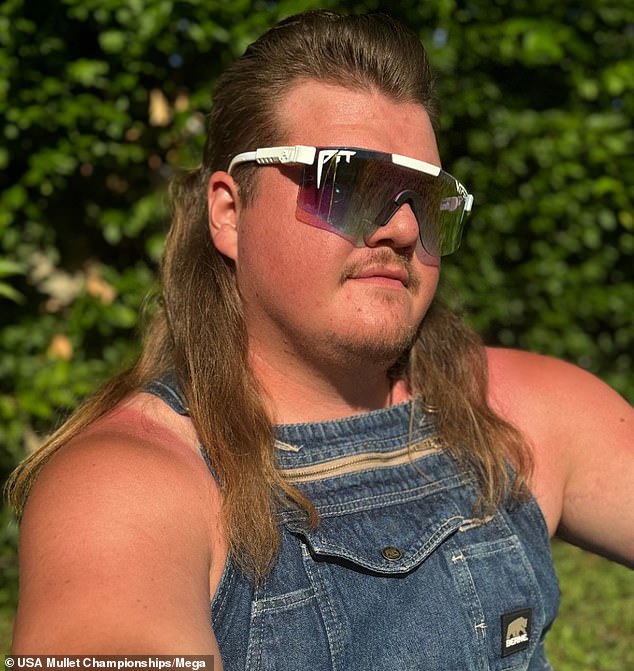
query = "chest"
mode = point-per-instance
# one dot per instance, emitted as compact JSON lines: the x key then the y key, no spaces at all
{"x":399,"y":574}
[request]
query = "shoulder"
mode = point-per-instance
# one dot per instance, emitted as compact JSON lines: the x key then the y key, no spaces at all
{"x":581,"y":433}
{"x":142,"y":458}
{"x":127,"y":453}
{"x":517,"y":369}
{"x":550,"y":394}
{"x":125,"y":519}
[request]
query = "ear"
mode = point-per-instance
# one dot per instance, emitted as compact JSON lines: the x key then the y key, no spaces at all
{"x":223,"y":202}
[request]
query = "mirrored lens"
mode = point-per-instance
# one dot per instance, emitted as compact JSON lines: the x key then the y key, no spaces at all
{"x":356,"y":194}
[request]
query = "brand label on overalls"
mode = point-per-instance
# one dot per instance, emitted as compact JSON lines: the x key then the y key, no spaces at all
{"x":516,"y":631}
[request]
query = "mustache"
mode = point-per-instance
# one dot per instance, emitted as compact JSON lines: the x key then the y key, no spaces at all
{"x":383,"y":257}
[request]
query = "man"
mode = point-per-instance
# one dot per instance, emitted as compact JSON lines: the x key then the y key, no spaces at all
{"x":398,"y":514}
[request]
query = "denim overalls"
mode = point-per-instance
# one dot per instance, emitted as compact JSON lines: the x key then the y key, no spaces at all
{"x":399,"y":574}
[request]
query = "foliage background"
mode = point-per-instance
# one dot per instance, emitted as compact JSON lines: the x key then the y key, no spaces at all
{"x":102,"y":102}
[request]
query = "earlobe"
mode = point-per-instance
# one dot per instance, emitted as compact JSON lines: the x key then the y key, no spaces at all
{"x":224,"y":203}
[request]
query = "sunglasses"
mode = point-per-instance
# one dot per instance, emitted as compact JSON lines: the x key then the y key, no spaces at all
{"x":352,"y":192}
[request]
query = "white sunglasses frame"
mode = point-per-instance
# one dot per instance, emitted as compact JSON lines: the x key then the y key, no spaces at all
{"x":305,"y":155}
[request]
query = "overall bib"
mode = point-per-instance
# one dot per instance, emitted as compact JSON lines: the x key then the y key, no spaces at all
{"x":400,"y":574}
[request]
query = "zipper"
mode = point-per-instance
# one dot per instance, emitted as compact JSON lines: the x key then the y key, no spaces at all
{"x":362,"y":462}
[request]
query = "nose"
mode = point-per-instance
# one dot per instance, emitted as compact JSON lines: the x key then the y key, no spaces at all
{"x":400,"y":231}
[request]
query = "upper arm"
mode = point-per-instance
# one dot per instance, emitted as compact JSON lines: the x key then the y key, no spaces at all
{"x":598,"y":505}
{"x":115,"y":550}
{"x":582,"y":436}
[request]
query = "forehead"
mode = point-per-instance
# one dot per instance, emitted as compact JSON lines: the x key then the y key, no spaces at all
{"x":322,"y":114}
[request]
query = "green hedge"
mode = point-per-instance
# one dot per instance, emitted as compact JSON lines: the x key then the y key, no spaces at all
{"x":103,"y":101}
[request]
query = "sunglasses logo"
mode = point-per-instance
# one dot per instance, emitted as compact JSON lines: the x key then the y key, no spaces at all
{"x":326,"y":155}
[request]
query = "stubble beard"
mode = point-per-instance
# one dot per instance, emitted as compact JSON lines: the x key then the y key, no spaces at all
{"x":382,"y":344}
{"x":376,"y":345}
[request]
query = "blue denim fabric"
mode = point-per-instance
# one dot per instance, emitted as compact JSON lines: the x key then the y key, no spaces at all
{"x":399,"y":574}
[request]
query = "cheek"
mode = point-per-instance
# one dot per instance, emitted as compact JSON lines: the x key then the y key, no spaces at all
{"x":429,"y":276}
{"x":276,"y":260}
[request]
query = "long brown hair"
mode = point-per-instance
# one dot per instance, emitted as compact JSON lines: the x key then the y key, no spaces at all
{"x":199,"y":332}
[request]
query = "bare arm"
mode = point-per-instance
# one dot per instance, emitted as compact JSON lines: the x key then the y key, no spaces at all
{"x":582,"y":433}
{"x":116,"y":546}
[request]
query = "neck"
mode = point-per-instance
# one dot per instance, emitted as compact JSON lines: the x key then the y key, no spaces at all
{"x":304,"y":393}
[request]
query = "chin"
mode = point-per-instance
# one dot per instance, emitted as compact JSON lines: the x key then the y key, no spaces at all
{"x":375,"y":346}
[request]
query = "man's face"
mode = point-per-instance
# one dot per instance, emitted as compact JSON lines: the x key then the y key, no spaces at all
{"x":311,"y":296}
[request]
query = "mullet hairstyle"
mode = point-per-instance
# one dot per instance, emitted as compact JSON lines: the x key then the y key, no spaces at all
{"x":199,"y":332}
